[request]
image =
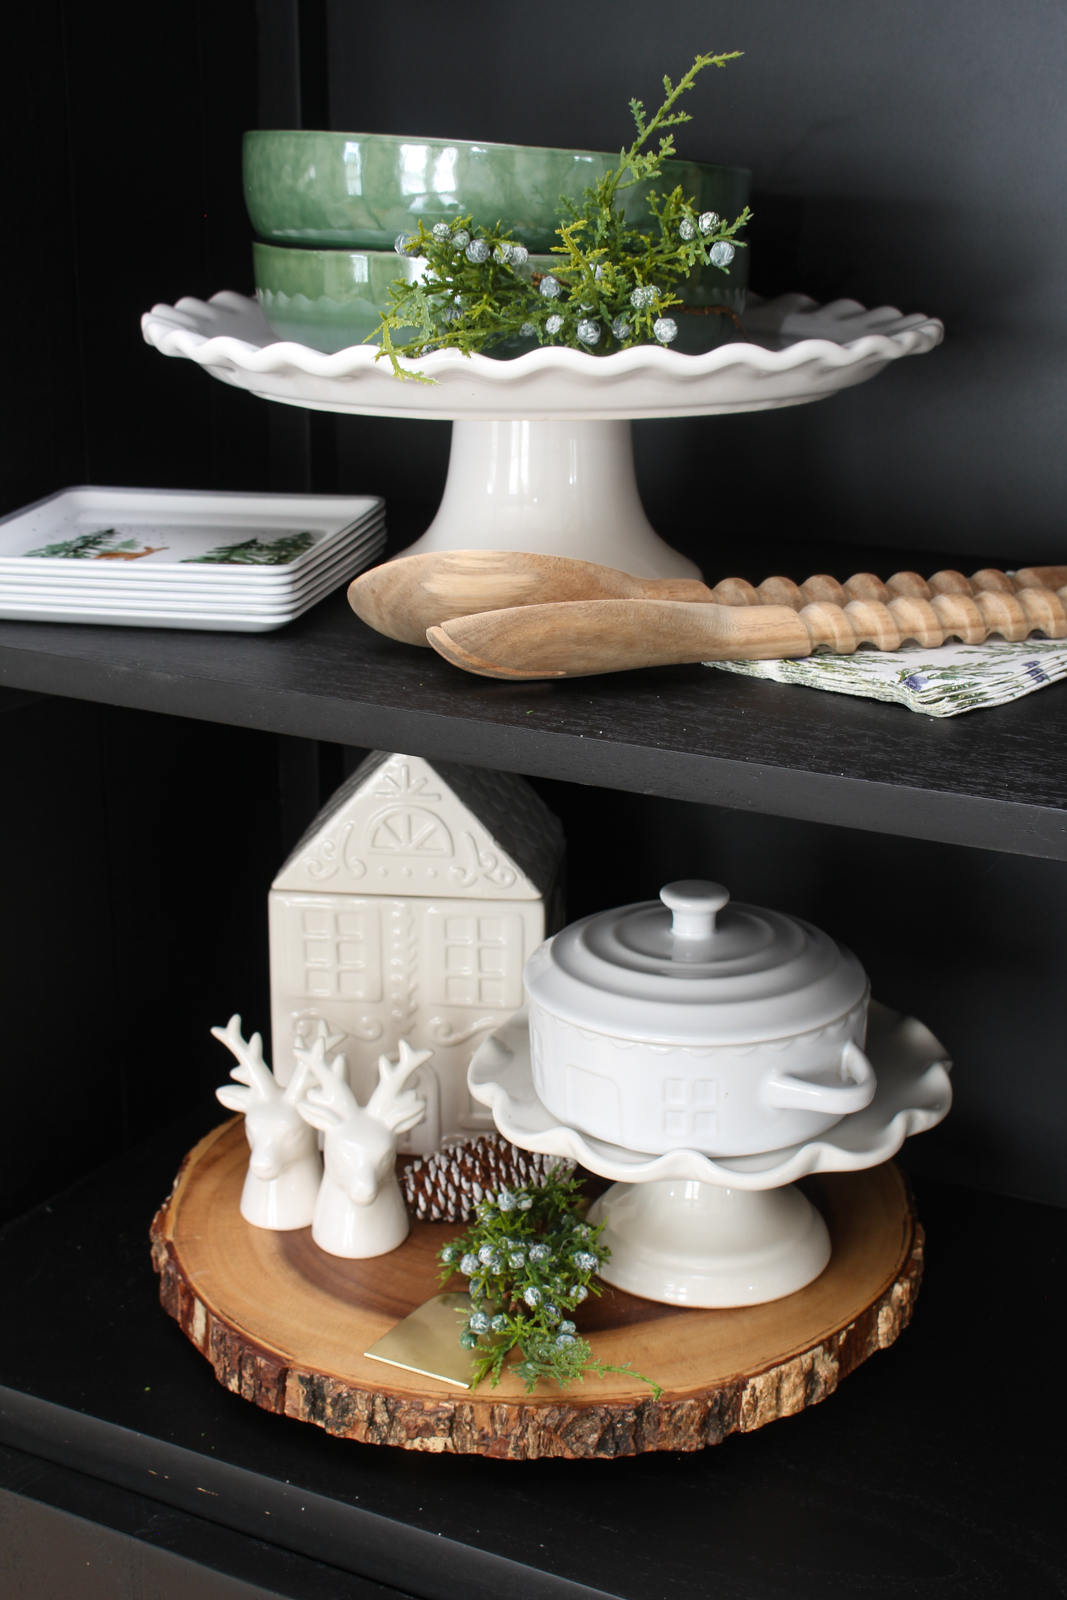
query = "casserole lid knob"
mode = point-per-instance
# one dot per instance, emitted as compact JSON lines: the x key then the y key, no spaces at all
{"x":694,"y":904}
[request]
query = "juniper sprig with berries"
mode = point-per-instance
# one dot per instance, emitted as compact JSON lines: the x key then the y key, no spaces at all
{"x":612,"y":288}
{"x":530,"y":1260}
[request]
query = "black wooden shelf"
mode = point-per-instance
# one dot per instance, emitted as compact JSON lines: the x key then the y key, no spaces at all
{"x":924,"y":1474}
{"x":994,"y":778}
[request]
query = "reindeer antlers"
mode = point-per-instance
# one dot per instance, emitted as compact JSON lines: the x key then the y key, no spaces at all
{"x":251,"y":1070}
{"x":398,"y":1111}
{"x":332,"y":1091}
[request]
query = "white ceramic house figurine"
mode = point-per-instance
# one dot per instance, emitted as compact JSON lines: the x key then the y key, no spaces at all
{"x":360,"y":1211}
{"x":284,"y":1168}
{"x":407,"y":911}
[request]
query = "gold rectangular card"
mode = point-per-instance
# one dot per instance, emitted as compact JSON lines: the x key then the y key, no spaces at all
{"x":427,"y":1341}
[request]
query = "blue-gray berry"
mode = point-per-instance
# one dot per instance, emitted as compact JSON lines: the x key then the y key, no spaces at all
{"x":564,"y":1338}
{"x":539,"y":1252}
{"x":687,"y":228}
{"x":479,"y":1322}
{"x":585,"y":1261}
{"x":448,"y":1253}
{"x":566,"y":1326}
{"x":532,"y":1296}
{"x":506,"y":1200}
{"x":485,"y":1254}
{"x":665,"y":329}
{"x":621,"y":329}
{"x":468,"y":1339}
{"x":519,"y":255}
{"x":477,"y":252}
{"x":527,"y":331}
{"x":468,"y":1265}
{"x":516,"y":1259}
{"x":581,"y":1293}
{"x":442,"y":232}
{"x":550,"y":287}
{"x":461,"y":238}
{"x":721,"y":254}
{"x":526,"y":1202}
{"x":588,"y":330}
{"x":402,"y":244}
{"x":553,"y":325}
{"x":708,"y":221}
{"x":499,"y":1324}
{"x":642,"y":296}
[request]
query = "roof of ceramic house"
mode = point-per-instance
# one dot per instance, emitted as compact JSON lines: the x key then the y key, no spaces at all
{"x":463,"y":832}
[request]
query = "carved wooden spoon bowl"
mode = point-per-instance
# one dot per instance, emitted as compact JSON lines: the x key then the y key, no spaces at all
{"x":404,"y":598}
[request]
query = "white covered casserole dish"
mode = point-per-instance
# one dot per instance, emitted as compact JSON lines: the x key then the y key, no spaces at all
{"x":690,"y":1023}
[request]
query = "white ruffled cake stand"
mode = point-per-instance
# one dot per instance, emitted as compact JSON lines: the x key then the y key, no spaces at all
{"x":694,"y":1230}
{"x":542,"y":457}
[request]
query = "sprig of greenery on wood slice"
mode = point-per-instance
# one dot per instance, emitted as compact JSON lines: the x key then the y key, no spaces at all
{"x":612,"y":288}
{"x":530,"y":1260}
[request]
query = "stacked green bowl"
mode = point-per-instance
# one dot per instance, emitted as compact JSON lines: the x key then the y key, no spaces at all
{"x":328,"y":206}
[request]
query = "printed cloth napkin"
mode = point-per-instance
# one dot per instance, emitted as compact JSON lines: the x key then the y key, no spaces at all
{"x":941,"y":683}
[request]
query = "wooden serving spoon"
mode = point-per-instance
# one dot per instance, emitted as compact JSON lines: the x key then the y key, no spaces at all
{"x":575,"y":638}
{"x":403,"y":598}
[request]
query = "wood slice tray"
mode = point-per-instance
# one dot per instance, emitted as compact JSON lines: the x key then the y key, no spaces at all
{"x":285,"y":1325}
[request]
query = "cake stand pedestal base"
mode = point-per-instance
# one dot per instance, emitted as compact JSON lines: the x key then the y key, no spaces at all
{"x":696,"y":1244}
{"x":558,"y":488}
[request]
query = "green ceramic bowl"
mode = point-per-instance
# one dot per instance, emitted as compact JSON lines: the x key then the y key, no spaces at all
{"x":360,"y":190}
{"x":332,"y":299}
{"x":328,"y":299}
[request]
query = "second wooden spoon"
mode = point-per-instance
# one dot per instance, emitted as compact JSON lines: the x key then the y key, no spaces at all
{"x":579,"y":637}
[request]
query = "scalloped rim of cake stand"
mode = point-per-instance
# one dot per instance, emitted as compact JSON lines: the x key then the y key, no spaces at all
{"x":821,"y":350}
{"x":914,"y":1094}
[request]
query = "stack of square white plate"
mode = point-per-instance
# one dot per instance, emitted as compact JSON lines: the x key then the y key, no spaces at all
{"x":152,"y":558}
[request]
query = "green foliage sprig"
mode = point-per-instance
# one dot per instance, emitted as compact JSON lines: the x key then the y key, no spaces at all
{"x":530,"y":1260}
{"x":613,"y":285}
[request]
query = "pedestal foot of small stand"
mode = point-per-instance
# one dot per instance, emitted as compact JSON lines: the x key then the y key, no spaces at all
{"x":694,"y":1244}
{"x":563,"y":488}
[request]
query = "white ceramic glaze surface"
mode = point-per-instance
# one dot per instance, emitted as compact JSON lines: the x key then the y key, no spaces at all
{"x":688,"y":1230}
{"x":797,"y":351}
{"x":691,"y":1023}
{"x":284,"y":1168}
{"x":696,"y":1244}
{"x":541,"y":454}
{"x":359,"y":1211}
{"x":914,"y":1093}
{"x":408,"y":909}
{"x":149,"y":571}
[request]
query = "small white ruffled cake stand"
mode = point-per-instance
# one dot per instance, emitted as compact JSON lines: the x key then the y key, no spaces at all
{"x":695,"y":1230}
{"x":542,"y":458}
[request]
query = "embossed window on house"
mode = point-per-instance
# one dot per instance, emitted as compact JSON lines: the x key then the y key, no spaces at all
{"x":338,"y":953}
{"x":689,"y":1107}
{"x":481,"y":961}
{"x":408,"y":830}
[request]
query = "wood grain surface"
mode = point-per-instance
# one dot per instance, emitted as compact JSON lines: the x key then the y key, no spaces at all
{"x":403,"y":598}
{"x":285,"y":1326}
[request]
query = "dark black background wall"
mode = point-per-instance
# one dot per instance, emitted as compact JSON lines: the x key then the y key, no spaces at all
{"x":901,"y":152}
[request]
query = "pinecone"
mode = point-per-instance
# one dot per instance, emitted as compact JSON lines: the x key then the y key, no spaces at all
{"x":446,"y":1186}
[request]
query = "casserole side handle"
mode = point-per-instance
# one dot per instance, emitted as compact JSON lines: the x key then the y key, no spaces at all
{"x":784,"y":1091}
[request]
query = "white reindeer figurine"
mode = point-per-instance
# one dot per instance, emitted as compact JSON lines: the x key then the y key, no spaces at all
{"x":360,"y":1211}
{"x":285,"y":1168}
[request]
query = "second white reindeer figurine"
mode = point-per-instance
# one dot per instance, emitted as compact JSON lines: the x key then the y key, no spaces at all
{"x":360,"y":1211}
{"x":284,"y":1168}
